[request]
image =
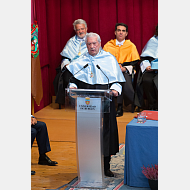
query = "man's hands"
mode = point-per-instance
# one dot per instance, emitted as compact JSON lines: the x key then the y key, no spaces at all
{"x":33,"y":121}
{"x":115,"y":93}
{"x":148,"y":68}
{"x":123,"y":69}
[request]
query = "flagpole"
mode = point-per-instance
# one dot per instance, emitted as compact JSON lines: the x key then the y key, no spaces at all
{"x":33,"y":17}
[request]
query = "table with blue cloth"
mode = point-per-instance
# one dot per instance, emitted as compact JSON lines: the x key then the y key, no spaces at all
{"x":141,"y":148}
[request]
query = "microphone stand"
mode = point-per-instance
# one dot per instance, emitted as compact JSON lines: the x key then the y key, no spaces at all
{"x":79,"y":71}
{"x":103,"y":73}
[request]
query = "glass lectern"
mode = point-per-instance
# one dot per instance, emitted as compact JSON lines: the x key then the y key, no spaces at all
{"x":90,"y":106}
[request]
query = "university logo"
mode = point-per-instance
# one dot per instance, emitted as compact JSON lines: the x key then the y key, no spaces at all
{"x":87,"y":100}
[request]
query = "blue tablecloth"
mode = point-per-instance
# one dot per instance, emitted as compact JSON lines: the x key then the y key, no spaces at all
{"x":141,"y":148}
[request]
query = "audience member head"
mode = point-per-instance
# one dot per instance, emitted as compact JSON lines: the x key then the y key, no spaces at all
{"x":93,"y":43}
{"x":121,"y":31}
{"x":80,"y":28}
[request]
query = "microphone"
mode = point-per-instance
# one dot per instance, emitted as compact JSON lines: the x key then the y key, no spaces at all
{"x":78,"y":71}
{"x":103,"y":73}
{"x":81,"y":69}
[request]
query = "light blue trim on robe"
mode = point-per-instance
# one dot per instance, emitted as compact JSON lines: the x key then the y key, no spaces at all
{"x":151,"y":48}
{"x":107,"y":63}
{"x":71,"y":49}
{"x":154,"y":64}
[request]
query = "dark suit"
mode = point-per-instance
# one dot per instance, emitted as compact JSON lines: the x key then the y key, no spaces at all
{"x":39,"y":131}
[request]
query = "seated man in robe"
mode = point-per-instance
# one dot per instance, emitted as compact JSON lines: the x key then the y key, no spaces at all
{"x":90,"y":76}
{"x":39,"y":131}
{"x":74,"y":48}
{"x":126,"y":54}
{"x":148,"y":75}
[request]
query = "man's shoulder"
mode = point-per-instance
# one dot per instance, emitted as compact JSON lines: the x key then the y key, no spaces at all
{"x":128,"y":43}
{"x":73,"y":38}
{"x":107,"y":54}
{"x":153,"y":39}
{"x":69,"y":44}
{"x":111,"y":43}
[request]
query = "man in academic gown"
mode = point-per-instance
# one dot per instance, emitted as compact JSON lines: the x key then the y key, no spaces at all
{"x":147,"y":80}
{"x":126,"y":54}
{"x":74,"y":48}
{"x":91,"y":77}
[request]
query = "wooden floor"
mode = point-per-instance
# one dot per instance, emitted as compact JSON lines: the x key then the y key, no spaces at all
{"x":61,"y":130}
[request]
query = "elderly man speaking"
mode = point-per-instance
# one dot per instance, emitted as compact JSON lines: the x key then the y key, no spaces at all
{"x":93,"y":77}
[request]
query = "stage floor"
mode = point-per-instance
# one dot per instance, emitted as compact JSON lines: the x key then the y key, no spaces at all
{"x":61,"y":129}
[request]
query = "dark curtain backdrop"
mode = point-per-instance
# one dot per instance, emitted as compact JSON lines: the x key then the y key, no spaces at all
{"x":55,"y":19}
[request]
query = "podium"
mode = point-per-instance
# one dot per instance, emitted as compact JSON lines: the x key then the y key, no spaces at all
{"x":90,"y":106}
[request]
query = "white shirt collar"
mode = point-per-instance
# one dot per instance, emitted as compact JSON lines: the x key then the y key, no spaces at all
{"x":81,"y":39}
{"x":119,"y":43}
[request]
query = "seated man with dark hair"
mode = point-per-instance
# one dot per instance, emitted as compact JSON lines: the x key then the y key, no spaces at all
{"x":39,"y":131}
{"x":126,"y":54}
